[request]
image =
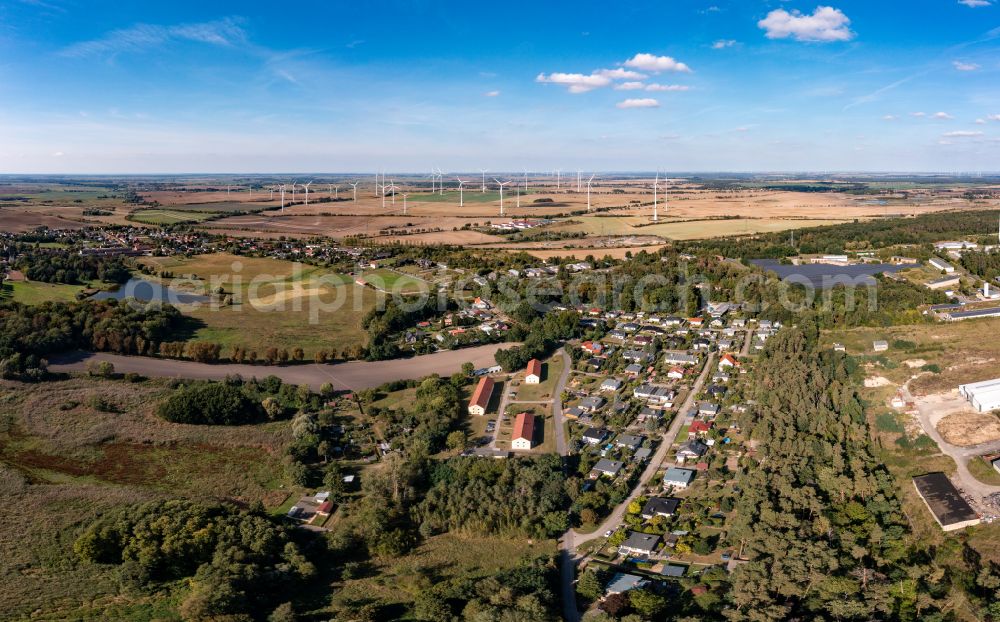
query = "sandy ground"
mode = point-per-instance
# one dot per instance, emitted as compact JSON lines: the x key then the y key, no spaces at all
{"x":877,"y":381}
{"x":956,"y":420}
{"x":915,"y":363}
{"x":351,"y":376}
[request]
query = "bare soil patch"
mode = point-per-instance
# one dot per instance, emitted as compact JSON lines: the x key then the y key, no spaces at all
{"x":970,"y":428}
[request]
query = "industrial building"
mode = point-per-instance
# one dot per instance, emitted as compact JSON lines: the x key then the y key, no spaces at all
{"x":941,"y":264}
{"x":984,"y":396}
{"x":950,"y":510}
{"x":971,"y":315}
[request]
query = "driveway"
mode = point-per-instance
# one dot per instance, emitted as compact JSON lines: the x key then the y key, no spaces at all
{"x":961,"y":455}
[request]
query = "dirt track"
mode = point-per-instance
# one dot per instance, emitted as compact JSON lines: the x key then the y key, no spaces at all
{"x":352,"y":376}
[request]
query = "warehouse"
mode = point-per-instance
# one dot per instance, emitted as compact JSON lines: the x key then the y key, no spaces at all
{"x":948,"y":507}
{"x":984,"y":396}
{"x":941,"y":264}
{"x":971,"y":315}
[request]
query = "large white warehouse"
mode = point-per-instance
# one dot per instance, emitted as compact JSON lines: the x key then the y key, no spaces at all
{"x":984,"y":396}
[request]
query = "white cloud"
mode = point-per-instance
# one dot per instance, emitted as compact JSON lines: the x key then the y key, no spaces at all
{"x":943,"y":116}
{"x":889,"y":117}
{"x":722,"y":44}
{"x":645,"y":102}
{"x":142,"y":37}
{"x":663,"y":88}
{"x":961,"y":66}
{"x":961,"y":134}
{"x":918,"y":114}
{"x":656,"y":64}
{"x":58,"y":154}
{"x":620,"y":74}
{"x":993,"y":117}
{"x":491,"y":94}
{"x":824,"y":25}
{"x":980,"y":121}
{"x":577,"y":82}
{"x":975,"y":3}
{"x":630,"y":86}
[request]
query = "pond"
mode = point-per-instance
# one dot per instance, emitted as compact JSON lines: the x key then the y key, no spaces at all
{"x":150,"y":291}
{"x":823,"y":276}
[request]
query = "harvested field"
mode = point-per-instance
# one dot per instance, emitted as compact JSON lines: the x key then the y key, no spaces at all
{"x":15,"y":220}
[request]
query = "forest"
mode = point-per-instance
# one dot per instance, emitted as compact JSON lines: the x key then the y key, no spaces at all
{"x":818,"y":514}
{"x":71,"y":268}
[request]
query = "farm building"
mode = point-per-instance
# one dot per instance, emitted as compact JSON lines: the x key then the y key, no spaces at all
{"x":958,"y":316}
{"x":941,"y":264}
{"x":943,"y":282}
{"x":984,"y":396}
{"x":523,"y":436}
{"x":534,"y":372}
{"x":950,"y":510}
{"x":481,"y":397}
{"x":880,"y":346}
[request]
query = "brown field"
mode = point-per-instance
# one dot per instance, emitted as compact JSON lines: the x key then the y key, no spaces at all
{"x":335,"y":226}
{"x":21,"y":220}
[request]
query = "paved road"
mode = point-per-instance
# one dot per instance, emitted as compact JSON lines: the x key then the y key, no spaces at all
{"x":350,"y":376}
{"x":571,"y":539}
{"x":961,"y":455}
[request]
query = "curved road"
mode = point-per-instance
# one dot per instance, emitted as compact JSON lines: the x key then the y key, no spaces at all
{"x":350,"y":376}
{"x":961,"y":455}
{"x":570,"y":540}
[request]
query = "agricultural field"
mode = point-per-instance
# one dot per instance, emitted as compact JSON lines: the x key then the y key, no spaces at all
{"x":275,"y":303}
{"x":682,"y":230}
{"x":158,"y":216}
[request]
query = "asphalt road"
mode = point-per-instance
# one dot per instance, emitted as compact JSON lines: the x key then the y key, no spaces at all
{"x":571,"y":539}
{"x":350,"y":376}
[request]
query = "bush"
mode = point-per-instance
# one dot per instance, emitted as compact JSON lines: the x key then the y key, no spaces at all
{"x":211,"y":403}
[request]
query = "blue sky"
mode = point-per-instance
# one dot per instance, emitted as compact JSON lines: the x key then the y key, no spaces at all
{"x":680,"y":85}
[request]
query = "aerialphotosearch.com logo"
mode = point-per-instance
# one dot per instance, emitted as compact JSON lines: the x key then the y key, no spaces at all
{"x":321,"y":295}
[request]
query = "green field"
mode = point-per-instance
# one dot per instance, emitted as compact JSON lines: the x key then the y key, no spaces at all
{"x":276,"y":303}
{"x":396,"y":283}
{"x":170,"y":216}
{"x":35,"y":292}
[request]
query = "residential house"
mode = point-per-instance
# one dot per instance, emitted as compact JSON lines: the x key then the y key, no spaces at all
{"x":708,"y":408}
{"x":642,"y":454}
{"x":676,"y":477}
{"x":727,"y":360}
{"x":591,"y":404}
{"x":607,"y":468}
{"x":623,"y":582}
{"x":629,"y":441}
{"x":611,"y":385}
{"x":592,"y":347}
{"x":637,"y":356}
{"x":675,"y":373}
{"x":594,"y":436}
{"x":660,"y":506}
{"x":680,"y":358}
{"x":641,"y":544}
{"x":692,"y":448}
{"x":634,"y":370}
{"x":653,"y":393}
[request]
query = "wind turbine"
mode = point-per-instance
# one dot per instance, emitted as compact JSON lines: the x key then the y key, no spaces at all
{"x":588,"y":191}
{"x":227,"y":189}
{"x":392,"y":188}
{"x":579,"y":173}
{"x":282,"y":188}
{"x":656,"y":216}
{"x":404,"y":203}
{"x":525,"y":181}
{"x":484,"y":179}
{"x":433,"y":181}
{"x":336,"y":190}
{"x":501,"y":193}
{"x":293,"y":193}
{"x":440,"y":182}
{"x":355,"y":187}
{"x":306,"y":186}
{"x":461,"y":193}
{"x":272,"y":193}
{"x":558,"y":177}
{"x":251,"y":191}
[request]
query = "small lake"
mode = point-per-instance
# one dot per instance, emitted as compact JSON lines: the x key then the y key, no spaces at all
{"x":150,"y":291}
{"x":822,"y":276}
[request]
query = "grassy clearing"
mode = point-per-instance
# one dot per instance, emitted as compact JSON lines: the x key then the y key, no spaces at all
{"x":551,"y":370}
{"x":444,"y":557}
{"x":277,"y":303}
{"x":36,"y":292}
{"x":396,"y":282}
{"x":170,"y":216}
{"x":984,"y":471}
{"x":63,"y":463}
